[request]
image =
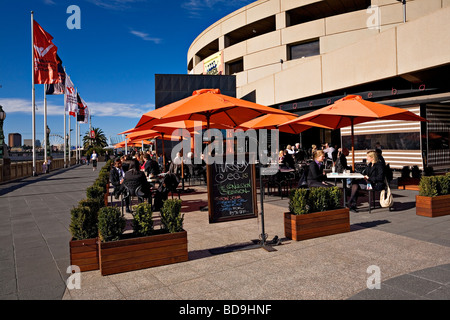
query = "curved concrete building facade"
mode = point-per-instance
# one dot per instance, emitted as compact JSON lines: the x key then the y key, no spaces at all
{"x":300,"y":55}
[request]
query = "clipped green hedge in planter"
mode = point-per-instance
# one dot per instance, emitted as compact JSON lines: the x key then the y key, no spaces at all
{"x":171,"y":217}
{"x":111,"y":224}
{"x":143,"y":220}
{"x":434,"y":196}
{"x":145,"y":247}
{"x":83,"y":227}
{"x":315,"y":212}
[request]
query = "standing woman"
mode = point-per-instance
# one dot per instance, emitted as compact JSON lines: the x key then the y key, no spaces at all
{"x":94,"y":158}
{"x":373,"y":177}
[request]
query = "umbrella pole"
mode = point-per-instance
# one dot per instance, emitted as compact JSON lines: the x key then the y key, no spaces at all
{"x":182,"y":165}
{"x":164,"y":155}
{"x":353,"y":145}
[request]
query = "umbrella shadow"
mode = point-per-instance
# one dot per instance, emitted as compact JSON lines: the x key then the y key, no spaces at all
{"x":367,"y":224}
{"x":193,"y":205}
{"x":250,"y":245}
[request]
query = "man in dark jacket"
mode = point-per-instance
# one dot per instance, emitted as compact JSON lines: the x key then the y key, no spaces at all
{"x":116,"y":176}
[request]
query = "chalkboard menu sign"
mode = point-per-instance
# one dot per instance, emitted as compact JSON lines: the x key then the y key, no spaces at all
{"x":231,"y":192}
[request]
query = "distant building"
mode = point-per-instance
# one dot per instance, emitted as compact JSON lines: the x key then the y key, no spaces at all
{"x":14,"y":140}
{"x":27,"y":142}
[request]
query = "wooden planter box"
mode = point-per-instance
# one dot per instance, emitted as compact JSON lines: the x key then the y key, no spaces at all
{"x":144,"y":252}
{"x":433,"y":206}
{"x":84,"y":254}
{"x":318,"y":224}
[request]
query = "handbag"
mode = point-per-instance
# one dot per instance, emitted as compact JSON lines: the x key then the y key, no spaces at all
{"x":386,"y":198}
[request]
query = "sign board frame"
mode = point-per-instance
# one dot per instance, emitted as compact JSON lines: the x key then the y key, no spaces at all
{"x":214,"y":215}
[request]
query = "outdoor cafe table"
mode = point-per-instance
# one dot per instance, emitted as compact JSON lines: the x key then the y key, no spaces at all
{"x":344,"y":176}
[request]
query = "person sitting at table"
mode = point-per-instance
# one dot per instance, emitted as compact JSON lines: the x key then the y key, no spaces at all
{"x":133,"y":179}
{"x":116,"y":176}
{"x":341,"y":162}
{"x":288,"y":160}
{"x":316,"y":178}
{"x":312,"y":150}
{"x":373,"y":174}
{"x":281,"y":157}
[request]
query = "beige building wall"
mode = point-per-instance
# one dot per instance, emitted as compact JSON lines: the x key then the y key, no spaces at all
{"x":356,"y":48}
{"x":380,"y":44}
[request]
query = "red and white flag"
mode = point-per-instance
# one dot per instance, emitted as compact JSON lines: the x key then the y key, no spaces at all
{"x":45,"y":60}
{"x":71,"y":97}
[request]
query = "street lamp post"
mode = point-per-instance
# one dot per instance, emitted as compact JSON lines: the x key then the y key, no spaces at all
{"x":47,"y":144}
{"x":67,"y":150}
{"x":2,"y":136}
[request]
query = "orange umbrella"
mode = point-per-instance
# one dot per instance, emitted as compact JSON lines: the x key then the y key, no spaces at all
{"x":130,"y":143}
{"x":275,"y":121}
{"x":352,"y":110}
{"x":207,"y":105}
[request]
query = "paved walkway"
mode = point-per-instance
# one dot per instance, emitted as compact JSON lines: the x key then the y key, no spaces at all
{"x":411,"y":252}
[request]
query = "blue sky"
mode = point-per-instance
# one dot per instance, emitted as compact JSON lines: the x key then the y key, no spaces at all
{"x":112,"y":59}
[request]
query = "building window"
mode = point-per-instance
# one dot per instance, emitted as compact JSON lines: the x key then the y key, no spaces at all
{"x":235,"y":66}
{"x":323,"y":9}
{"x":304,"y":49}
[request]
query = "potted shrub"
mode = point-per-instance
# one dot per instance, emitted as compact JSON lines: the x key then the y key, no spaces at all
{"x":83,"y":227}
{"x":96,"y":192}
{"x":146,"y":247}
{"x":433,"y":199}
{"x":315,"y":212}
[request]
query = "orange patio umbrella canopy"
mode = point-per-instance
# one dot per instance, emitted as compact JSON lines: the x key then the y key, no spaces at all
{"x":275,"y":121}
{"x":352,"y":110}
{"x":207,"y":105}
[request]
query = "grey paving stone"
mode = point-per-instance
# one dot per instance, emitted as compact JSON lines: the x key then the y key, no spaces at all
{"x":413,"y":284}
{"x":442,"y":293}
{"x":386,"y":292}
{"x":439,"y":275}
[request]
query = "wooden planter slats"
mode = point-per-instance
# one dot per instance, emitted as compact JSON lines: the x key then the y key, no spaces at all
{"x":84,"y":254}
{"x":318,"y":224}
{"x":144,"y":252}
{"x":433,"y":206}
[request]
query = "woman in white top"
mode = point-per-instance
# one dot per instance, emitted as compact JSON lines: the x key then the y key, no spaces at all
{"x":94,"y":158}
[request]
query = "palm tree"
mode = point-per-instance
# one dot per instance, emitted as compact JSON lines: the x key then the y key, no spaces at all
{"x":98,"y":141}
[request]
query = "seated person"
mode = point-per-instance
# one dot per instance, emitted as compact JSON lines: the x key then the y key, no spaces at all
{"x":133,"y":179}
{"x":288,"y":161}
{"x":341,"y":162}
{"x":116,"y":176}
{"x":316,"y":178}
{"x":281,"y":157}
{"x":151,"y":167}
{"x":373,"y":174}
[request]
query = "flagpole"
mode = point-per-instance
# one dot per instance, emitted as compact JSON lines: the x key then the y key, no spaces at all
{"x":65,"y":133}
{"x":45,"y":123}
{"x":33,"y":100}
{"x":65,"y":122}
{"x":70,"y":143}
{"x":79,"y":141}
{"x":76,"y":141}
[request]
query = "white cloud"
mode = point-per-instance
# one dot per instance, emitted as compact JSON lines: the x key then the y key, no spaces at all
{"x":145,"y":36}
{"x":99,"y":109}
{"x":114,"y":4}
{"x":196,"y":8}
